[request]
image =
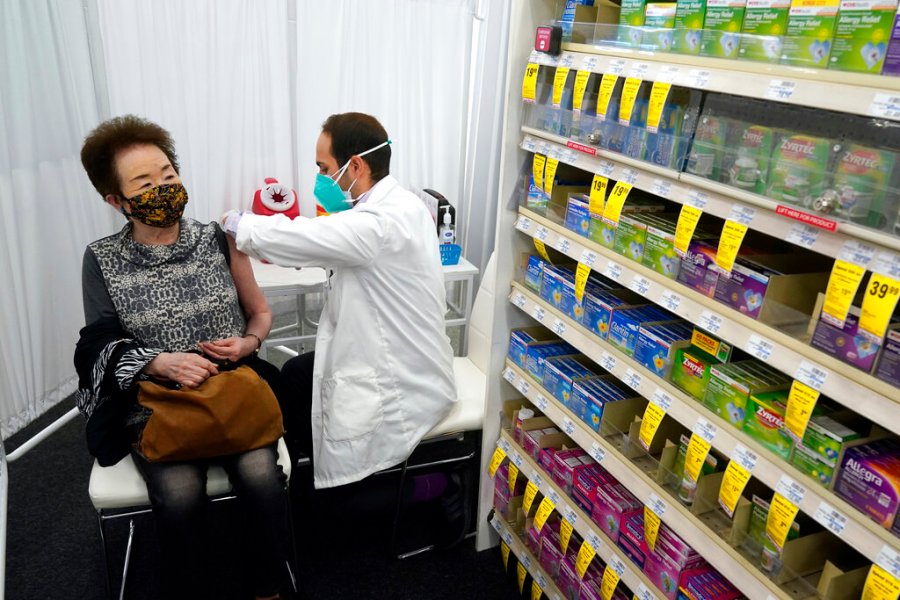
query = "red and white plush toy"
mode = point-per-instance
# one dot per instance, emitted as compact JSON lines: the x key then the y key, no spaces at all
{"x":274,"y":198}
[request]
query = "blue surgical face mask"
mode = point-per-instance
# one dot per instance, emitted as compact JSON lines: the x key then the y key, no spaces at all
{"x":328,"y":192}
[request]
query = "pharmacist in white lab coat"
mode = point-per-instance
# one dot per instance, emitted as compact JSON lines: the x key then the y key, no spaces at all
{"x":381,"y":376}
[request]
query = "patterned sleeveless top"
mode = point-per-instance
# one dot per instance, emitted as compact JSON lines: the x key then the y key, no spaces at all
{"x":171,"y":297}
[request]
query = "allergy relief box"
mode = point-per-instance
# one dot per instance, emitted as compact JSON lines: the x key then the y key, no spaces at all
{"x":722,"y":28}
{"x":631,"y":18}
{"x":869,"y":479}
{"x":861,"y":35}
{"x":807,"y":40}
{"x":659,"y":19}
{"x":731,"y":385}
{"x":689,"y":16}
{"x":765,"y":22}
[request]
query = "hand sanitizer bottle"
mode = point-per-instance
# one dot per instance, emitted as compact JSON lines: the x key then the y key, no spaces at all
{"x":447,"y":231}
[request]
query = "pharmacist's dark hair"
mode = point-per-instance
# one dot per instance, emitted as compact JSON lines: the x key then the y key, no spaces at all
{"x":352,"y":133}
{"x":98,"y":154}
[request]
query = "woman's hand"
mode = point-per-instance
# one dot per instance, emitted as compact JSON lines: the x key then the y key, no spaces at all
{"x":231,"y":349}
{"x":184,"y":368}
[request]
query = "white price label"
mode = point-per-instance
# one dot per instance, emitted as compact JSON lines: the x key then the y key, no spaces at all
{"x":503,"y":444}
{"x":617,"y":565}
{"x":594,"y":541}
{"x":643,"y":593}
{"x":632,"y":380}
{"x":526,"y":561}
{"x":803,"y":235}
{"x":519,"y":299}
{"x":563,"y":244}
{"x":541,"y":233}
{"x":523,"y":387}
{"x":588,"y":258}
{"x":639,"y":70}
{"x":541,"y":403}
{"x":657,"y":505}
{"x":608,"y":361}
{"x":661,"y":399}
{"x":613,"y":270}
{"x":833,"y":519}
{"x":541,"y":580}
{"x":536,"y":478}
{"x":812,"y":375}
{"x":667,"y":74}
{"x":606,"y":168}
{"x":781,"y":89}
{"x":616,"y":66}
{"x":697,"y":78}
{"x":629,"y":175}
{"x":517,"y":459}
{"x":760,"y":347}
{"x":524,"y":223}
{"x":670,"y":300}
{"x":568,"y":426}
{"x":534,"y":57}
{"x":705,"y":429}
{"x":887,"y":263}
{"x":791,"y":490}
{"x":589,"y":63}
{"x":558,"y":327}
{"x":554,"y":497}
{"x":570,"y":515}
{"x":857,"y":252}
{"x":886,"y":106}
{"x":742,"y":214}
{"x":544,"y":147}
{"x":509,"y":375}
{"x":744,"y":456}
{"x":710,"y":321}
{"x":567,"y":60}
{"x":697,"y":198}
{"x":597,"y":453}
{"x":661,"y":187}
{"x":640,"y":284}
{"x":538,"y":313}
{"x":889,"y":560}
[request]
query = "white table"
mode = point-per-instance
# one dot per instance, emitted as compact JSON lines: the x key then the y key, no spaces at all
{"x":281,"y":281}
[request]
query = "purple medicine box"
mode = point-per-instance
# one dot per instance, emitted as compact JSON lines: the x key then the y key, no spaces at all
{"x":892,"y":59}
{"x":889,"y":363}
{"x":846,"y":343}
{"x":869,"y":479}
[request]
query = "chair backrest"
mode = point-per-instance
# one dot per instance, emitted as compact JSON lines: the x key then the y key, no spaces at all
{"x":479,"y":351}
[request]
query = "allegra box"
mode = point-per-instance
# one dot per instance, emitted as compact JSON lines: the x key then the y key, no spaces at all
{"x":869,"y":479}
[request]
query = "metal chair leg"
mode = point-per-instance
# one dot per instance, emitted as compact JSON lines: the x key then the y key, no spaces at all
{"x":127,"y":558}
{"x":398,"y":508}
{"x":102,"y":525}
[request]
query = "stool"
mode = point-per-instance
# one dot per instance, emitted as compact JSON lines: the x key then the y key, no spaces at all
{"x":119,"y":492}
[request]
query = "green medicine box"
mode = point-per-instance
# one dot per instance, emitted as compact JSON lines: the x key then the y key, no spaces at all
{"x":691,"y":367}
{"x":810,"y":28}
{"x":765,"y":422}
{"x":812,"y":464}
{"x":765,"y":22}
{"x":689,"y":17}
{"x":861,"y":35}
{"x":825,"y":437}
{"x":631,"y":19}
{"x":722,"y":28}
{"x":659,"y":20}
{"x":730,"y":387}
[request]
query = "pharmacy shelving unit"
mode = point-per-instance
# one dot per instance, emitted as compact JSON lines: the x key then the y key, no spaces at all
{"x":526,"y":559}
{"x":515,"y":306}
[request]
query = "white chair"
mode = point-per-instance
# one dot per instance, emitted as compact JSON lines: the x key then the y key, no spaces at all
{"x":119,"y":492}
{"x":468,"y":413}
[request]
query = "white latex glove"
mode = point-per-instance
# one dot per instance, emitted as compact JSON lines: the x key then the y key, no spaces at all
{"x":230,"y":220}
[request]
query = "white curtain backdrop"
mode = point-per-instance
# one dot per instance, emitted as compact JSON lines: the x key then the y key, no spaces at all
{"x":215,"y":74}
{"x":48,"y":209}
{"x":405,"y":62}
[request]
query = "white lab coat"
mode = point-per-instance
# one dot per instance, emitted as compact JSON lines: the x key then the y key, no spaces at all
{"x":384,"y":365}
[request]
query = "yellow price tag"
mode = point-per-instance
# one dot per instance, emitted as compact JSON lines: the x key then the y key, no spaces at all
{"x":607,"y":85}
{"x":880,"y":585}
{"x":598,"y":194}
{"x":565,"y":534}
{"x":782,"y":513}
{"x":608,"y":583}
{"x":684,"y":229}
{"x":730,"y":243}
{"x":581,"y":79}
{"x":653,"y":416}
{"x":536,"y":591}
{"x":537,"y":170}
{"x":530,"y":492}
{"x":529,"y":82}
{"x":629,"y":96}
{"x":511,"y":478}
{"x":550,"y":175}
{"x":878,"y":305}
{"x":521,"y":573}
{"x":542,"y":249}
{"x":733,"y":483}
{"x":842,"y":285}
{"x":559,"y":82}
{"x":613,"y":209}
{"x":651,"y":527}
{"x":496,"y":459}
{"x":800,"y":404}
{"x":697,"y":450}
{"x":504,"y":552}
{"x":658,"y":96}
{"x":581,"y":277}
{"x":545,"y":509}
{"x":585,"y":555}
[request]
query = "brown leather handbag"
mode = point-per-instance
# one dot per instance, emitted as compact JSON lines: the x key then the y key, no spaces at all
{"x":232,"y":412}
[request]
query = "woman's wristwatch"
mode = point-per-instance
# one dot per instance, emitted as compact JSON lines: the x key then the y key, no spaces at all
{"x":258,"y":341}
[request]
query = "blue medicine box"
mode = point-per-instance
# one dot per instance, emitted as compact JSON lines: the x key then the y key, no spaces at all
{"x":578,"y":215}
{"x":534,"y":273}
{"x":553,"y":282}
{"x":538,"y":352}
{"x":598,"y":308}
{"x":657,"y":344}
{"x":561,"y":372}
{"x":626,"y":323}
{"x":520,"y":339}
{"x":589,"y":396}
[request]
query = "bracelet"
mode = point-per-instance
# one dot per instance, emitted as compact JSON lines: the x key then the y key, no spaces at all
{"x":258,"y":341}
